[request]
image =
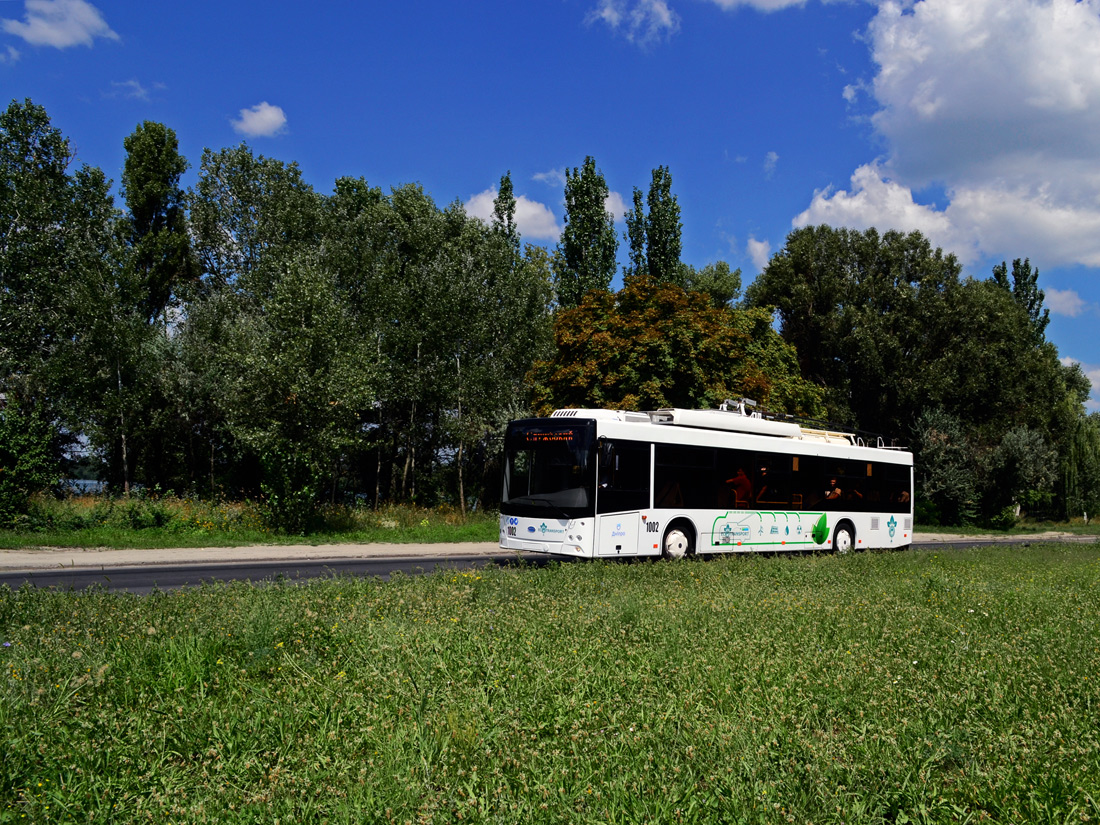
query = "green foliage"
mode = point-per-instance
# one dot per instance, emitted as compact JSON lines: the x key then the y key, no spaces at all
{"x":865,"y":313}
{"x":657,"y":345}
{"x":663,"y":230}
{"x":716,"y":280}
{"x":1025,"y":291}
{"x":585,"y":258}
{"x":635,"y":238}
{"x":28,"y":458}
{"x":246,"y":209}
{"x":947,"y":472}
{"x":504,"y":210}
{"x":901,"y":687}
{"x":1024,"y":469}
{"x":298,"y":385}
{"x":158,"y":227}
{"x":36,"y":205}
{"x":311,"y":349}
{"x":1081,"y":469}
{"x":891,"y":330}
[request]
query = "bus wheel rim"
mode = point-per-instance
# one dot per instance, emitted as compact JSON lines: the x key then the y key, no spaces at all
{"x":843,"y":540}
{"x":676,"y":544}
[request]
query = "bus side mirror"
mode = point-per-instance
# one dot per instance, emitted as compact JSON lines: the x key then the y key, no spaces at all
{"x":607,"y":454}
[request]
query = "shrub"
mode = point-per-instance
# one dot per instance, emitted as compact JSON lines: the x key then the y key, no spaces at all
{"x":28,"y":459}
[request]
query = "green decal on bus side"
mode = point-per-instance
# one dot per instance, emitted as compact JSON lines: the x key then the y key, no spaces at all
{"x":768,"y":527}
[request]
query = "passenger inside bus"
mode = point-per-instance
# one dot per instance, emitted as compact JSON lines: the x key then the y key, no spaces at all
{"x":833,"y":492}
{"x":741,"y":487}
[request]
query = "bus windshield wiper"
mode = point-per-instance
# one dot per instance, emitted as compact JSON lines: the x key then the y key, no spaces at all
{"x":555,"y":507}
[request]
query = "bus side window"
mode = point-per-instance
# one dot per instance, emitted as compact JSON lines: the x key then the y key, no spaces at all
{"x":624,"y":477}
{"x":685,"y":476}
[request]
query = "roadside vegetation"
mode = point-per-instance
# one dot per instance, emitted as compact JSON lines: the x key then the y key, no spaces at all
{"x":154,"y":521}
{"x":256,"y":339}
{"x":880,"y":687}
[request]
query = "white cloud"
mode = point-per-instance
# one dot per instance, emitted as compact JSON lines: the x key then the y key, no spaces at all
{"x":641,"y":21}
{"x":262,"y":120}
{"x":1064,"y":302}
{"x":555,"y":177}
{"x":760,"y":252}
{"x":60,"y":23}
{"x":615,"y":204}
{"x":759,"y":5}
{"x":1009,"y":138}
{"x":876,"y":201}
{"x":534,"y":220}
{"x":770,"y":160}
{"x":129,"y":88}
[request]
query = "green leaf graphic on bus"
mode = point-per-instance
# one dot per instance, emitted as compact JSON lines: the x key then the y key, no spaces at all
{"x":821,"y":530}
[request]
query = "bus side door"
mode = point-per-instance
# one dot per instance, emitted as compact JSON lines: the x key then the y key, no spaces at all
{"x":618,"y":535}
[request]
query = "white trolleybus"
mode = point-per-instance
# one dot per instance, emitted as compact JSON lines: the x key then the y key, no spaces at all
{"x":607,"y":483}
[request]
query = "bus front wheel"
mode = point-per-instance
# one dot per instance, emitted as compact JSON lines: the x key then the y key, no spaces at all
{"x":678,"y":543}
{"x":844,"y":538}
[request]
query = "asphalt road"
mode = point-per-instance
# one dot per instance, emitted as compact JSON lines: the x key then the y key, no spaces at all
{"x":147,"y":578}
{"x":142,"y":571}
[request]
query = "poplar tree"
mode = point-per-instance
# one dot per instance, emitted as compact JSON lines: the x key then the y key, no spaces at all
{"x":157,"y":221}
{"x":504,"y":210}
{"x":663,"y":229}
{"x":585,"y":258}
{"x":635,"y":237}
{"x":1025,"y":290}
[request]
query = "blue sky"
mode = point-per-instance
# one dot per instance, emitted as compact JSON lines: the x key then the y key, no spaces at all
{"x":975,"y":121}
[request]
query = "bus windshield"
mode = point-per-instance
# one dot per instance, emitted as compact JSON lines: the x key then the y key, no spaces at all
{"x":549,"y":469}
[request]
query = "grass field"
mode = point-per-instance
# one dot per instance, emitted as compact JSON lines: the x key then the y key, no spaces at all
{"x":949,"y":686}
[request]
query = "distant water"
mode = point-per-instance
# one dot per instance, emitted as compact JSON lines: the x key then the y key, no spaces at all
{"x":84,"y":486}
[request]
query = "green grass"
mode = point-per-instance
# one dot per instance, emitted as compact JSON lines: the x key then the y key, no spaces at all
{"x":1024,"y":528}
{"x":880,"y":687}
{"x":156,"y":522}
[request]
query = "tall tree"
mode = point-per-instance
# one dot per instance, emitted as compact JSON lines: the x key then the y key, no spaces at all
{"x":299,"y":386}
{"x":663,"y":229}
{"x":109,"y":381}
{"x":635,"y":237}
{"x":1025,"y":289}
{"x":585,"y":257}
{"x":409,"y":270}
{"x":1081,"y":469}
{"x":157,"y":222}
{"x":504,"y":210}
{"x":248,"y":210}
{"x":890,"y":329}
{"x":37,"y":224}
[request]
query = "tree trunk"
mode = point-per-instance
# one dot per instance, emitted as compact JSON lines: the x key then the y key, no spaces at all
{"x":122,"y":434}
{"x":461,"y":491}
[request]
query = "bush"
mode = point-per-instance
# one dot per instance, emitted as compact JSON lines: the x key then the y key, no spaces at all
{"x":28,"y":459}
{"x":1005,"y":519}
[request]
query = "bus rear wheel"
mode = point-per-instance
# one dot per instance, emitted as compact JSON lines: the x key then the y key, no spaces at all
{"x":678,"y":543}
{"x":844,"y":538}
